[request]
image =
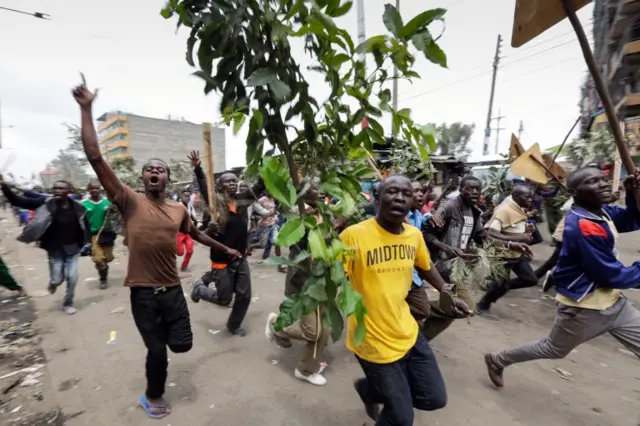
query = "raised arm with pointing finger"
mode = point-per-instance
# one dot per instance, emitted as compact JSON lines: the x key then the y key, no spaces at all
{"x":106,"y":175}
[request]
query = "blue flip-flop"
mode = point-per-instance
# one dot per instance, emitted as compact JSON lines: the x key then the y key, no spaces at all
{"x":147,"y":406}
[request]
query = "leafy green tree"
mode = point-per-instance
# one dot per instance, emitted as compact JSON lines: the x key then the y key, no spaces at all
{"x":243,"y":52}
{"x":453,"y":139}
{"x":126,"y":170}
{"x":595,"y":147}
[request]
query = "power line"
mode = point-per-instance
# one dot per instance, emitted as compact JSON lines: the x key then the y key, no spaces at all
{"x":34,"y":14}
{"x":486,"y":71}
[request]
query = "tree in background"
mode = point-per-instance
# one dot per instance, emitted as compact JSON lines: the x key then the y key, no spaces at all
{"x":595,"y":147}
{"x":70,"y":163}
{"x":244,"y":54}
{"x":453,"y":139}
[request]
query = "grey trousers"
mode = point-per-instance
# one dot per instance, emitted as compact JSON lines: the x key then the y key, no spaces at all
{"x":574,"y":326}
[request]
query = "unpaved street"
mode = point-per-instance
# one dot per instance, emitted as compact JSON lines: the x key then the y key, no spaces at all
{"x":245,"y":381}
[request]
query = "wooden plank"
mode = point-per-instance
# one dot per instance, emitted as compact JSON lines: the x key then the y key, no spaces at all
{"x":208,"y":160}
{"x":533,"y":17}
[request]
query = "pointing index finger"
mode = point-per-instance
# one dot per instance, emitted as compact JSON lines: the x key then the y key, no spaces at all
{"x":84,"y":80}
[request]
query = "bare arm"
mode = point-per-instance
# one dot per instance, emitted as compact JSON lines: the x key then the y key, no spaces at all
{"x":105,"y":174}
{"x":204,"y":239}
{"x":432,"y":276}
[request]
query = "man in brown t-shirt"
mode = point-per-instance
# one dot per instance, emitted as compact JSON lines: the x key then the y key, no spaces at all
{"x":152,"y":223}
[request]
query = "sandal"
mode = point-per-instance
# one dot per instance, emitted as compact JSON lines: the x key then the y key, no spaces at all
{"x":162,"y":410}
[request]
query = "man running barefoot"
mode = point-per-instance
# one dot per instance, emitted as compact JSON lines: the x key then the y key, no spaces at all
{"x":588,"y":276}
{"x":152,"y":222}
{"x":400,"y":368}
{"x":102,"y":240}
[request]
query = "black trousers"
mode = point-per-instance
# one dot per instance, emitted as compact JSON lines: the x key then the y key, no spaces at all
{"x":550,"y":263}
{"x":162,"y":317}
{"x":525,"y":277}
{"x":234,"y":279}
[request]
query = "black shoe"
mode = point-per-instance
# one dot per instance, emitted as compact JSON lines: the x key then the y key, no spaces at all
{"x":372,"y":409}
{"x":238,"y":332}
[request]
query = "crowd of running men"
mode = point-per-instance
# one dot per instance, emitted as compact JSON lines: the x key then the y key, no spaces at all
{"x":406,"y":245}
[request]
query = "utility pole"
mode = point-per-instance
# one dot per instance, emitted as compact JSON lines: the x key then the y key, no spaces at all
{"x":520,"y":130}
{"x":395,"y":87}
{"x":487,"y":130}
{"x":497,"y":129}
{"x":361,"y":39}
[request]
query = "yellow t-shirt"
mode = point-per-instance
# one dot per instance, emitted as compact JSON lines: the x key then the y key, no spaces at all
{"x":602,"y":298}
{"x":381,"y":270}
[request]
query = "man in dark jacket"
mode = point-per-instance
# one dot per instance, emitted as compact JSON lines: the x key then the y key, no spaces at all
{"x":589,"y":277}
{"x":231,"y":276}
{"x":462,"y":226}
{"x":62,"y":229}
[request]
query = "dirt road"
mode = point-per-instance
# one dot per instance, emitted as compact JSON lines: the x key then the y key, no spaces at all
{"x":244,"y":381}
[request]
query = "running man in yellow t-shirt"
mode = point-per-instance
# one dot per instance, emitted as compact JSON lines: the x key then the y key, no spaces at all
{"x":400,"y":368}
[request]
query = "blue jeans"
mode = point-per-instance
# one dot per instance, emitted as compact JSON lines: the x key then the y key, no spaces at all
{"x":63,"y":266}
{"x":270,"y":239}
{"x":414,"y":381}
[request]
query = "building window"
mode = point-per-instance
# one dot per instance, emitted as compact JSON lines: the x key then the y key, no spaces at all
{"x":117,"y":151}
{"x":113,"y":126}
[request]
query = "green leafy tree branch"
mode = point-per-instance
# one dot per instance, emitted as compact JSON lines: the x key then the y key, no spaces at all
{"x":243,"y":53}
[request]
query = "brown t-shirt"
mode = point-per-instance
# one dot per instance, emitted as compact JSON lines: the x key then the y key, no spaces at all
{"x":151,"y":230}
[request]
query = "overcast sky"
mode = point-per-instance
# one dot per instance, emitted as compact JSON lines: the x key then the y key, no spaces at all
{"x":137,"y":60}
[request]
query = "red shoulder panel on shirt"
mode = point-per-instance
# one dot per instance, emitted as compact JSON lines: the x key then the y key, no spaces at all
{"x":591,"y":229}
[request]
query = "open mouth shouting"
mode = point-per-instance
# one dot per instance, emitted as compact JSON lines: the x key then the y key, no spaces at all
{"x":154,"y":180}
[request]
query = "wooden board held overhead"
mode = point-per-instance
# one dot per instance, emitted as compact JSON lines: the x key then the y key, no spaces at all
{"x":533,"y":17}
{"x":529,"y":168}
{"x":516,"y":149}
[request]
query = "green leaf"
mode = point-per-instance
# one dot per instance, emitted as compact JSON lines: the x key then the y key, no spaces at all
{"x":315,"y":288}
{"x":361,"y":329}
{"x":412,"y":74}
{"x":421,"y":40}
{"x":404,"y":112}
{"x":348,"y":298}
{"x":420,"y":21}
{"x":280,"y":90}
{"x":295,"y":9}
{"x":385,"y":96}
{"x":342,"y":10}
{"x":339,"y":59}
{"x":238,"y":122}
{"x":332,"y":317}
{"x":167,"y":12}
{"x":291,"y":232}
{"x":281,"y":260}
{"x":434,"y":54}
{"x":261,"y":76}
{"x":277,"y":180}
{"x":336,"y":248}
{"x":337,"y":271}
{"x":258,"y":118}
{"x":317,"y":245}
{"x":392,"y":19}
{"x":371,"y":43}
{"x":358,"y":117}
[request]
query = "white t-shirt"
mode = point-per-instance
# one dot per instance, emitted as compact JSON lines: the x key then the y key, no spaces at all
{"x":467,"y":228}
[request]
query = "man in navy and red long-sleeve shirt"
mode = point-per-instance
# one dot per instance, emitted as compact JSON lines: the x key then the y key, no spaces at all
{"x":588,"y":277}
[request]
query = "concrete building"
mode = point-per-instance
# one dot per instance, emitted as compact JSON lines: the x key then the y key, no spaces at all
{"x":616,"y":33}
{"x":122,"y":134}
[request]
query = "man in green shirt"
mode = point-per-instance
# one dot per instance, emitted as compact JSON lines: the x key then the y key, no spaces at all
{"x":102,"y":240}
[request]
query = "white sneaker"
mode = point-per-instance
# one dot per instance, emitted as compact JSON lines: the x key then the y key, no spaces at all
{"x":70,"y":310}
{"x":314,"y":379}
